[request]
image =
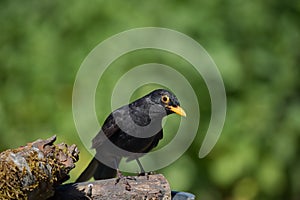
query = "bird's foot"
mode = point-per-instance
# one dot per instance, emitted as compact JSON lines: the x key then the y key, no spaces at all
{"x":131,"y":178}
{"x":127,"y":186}
{"x":146,"y":174}
{"x":119,"y":176}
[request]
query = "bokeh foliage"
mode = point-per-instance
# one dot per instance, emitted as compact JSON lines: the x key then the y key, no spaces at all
{"x":255,"y":44}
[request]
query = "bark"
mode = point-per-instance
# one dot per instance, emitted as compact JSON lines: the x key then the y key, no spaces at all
{"x":33,"y":171}
{"x":133,"y":187}
{"x":37,"y":170}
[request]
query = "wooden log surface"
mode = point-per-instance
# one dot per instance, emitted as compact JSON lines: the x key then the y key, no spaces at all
{"x":154,"y":187}
{"x":37,"y":170}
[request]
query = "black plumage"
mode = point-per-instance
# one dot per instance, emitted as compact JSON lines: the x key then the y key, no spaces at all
{"x":130,"y":132}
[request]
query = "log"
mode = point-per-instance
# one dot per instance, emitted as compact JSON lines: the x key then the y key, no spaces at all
{"x":147,"y":187}
{"x":34,"y":170}
{"x":37,"y":170}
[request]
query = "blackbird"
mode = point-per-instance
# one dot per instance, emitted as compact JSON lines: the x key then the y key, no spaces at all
{"x":130,"y":132}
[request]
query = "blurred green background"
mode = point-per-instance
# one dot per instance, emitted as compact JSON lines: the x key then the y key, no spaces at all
{"x":255,"y":44}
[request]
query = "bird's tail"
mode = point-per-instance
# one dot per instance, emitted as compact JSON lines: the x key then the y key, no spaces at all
{"x":97,"y":170}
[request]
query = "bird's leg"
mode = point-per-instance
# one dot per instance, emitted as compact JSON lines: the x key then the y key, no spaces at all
{"x":119,"y":176}
{"x":125,"y":181}
{"x":141,"y":167}
{"x":119,"y":173}
{"x":143,"y":172}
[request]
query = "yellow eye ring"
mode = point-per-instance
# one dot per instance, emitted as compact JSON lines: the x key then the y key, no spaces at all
{"x":165,"y":99}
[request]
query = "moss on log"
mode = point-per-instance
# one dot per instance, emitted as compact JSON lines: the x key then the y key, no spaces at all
{"x":32,"y":171}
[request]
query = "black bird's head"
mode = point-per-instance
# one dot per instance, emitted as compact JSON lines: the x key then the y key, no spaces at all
{"x":167,"y":100}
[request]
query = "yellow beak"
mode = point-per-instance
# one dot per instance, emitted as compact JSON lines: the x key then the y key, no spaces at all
{"x":178,"y":110}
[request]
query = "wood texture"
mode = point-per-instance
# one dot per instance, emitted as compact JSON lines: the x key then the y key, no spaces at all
{"x":147,"y":187}
{"x":32,"y":171}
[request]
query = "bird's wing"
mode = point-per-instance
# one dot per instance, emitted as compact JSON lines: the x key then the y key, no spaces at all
{"x":109,"y":128}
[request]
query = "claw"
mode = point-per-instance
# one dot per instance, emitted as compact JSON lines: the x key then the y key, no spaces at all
{"x":146,"y":173}
{"x":119,"y":176}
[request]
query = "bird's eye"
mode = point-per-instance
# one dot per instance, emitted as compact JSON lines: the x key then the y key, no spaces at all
{"x":165,"y":99}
